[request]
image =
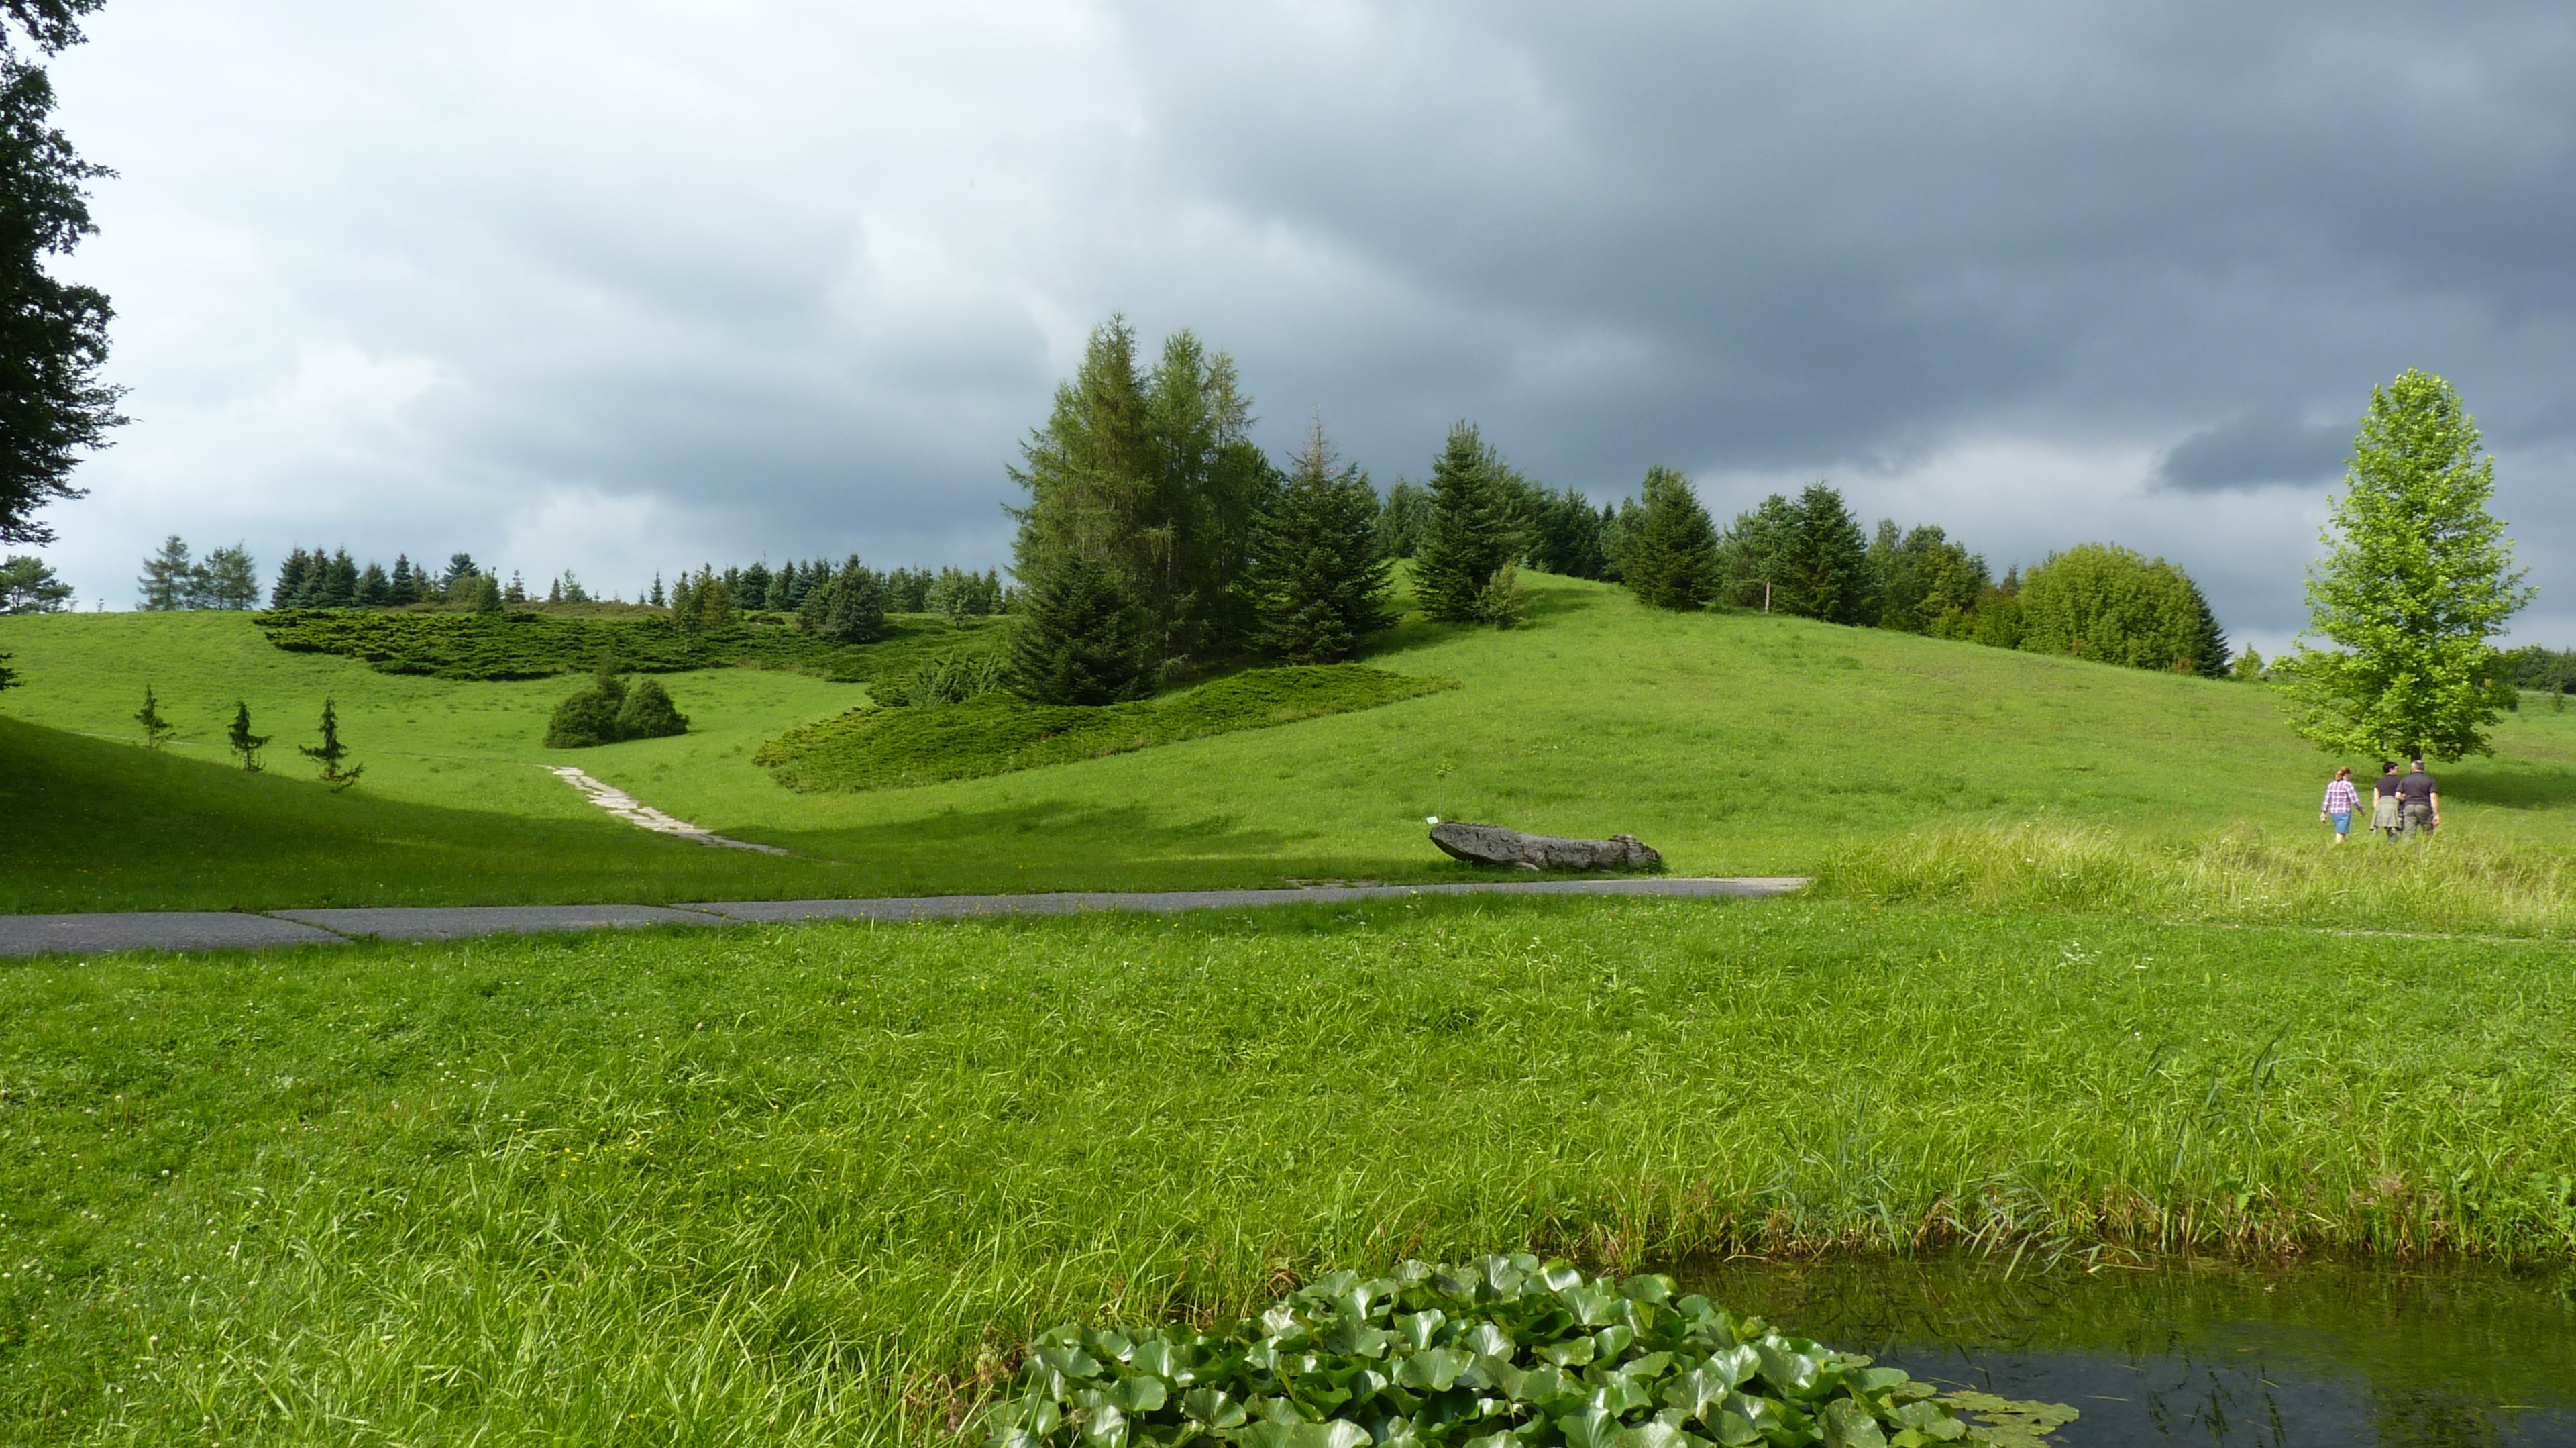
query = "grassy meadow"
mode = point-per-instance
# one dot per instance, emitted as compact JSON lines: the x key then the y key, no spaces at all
{"x":812,"y":1185}
{"x":1733,"y":742}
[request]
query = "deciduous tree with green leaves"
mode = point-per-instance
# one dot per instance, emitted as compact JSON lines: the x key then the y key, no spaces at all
{"x":2417,"y":581}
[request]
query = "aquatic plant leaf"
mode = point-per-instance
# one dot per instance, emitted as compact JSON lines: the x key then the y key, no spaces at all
{"x":1792,"y":1373}
{"x":2008,"y":1423}
{"x":1106,"y":1429}
{"x":1850,"y":1425}
{"x":1420,"y":1329}
{"x":1435,"y":1370}
{"x":1611,"y":1341}
{"x":1487,"y":1339}
{"x":1735,"y":1364}
{"x":1569,"y":1354}
{"x":1695,"y":1392}
{"x":1648,"y":1287}
{"x":1588,"y":1428}
{"x":1140,"y":1395}
{"x":1073,"y":1362}
{"x":1734,"y":1430}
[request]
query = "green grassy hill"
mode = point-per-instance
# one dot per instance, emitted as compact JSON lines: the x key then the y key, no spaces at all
{"x":1736,"y":743}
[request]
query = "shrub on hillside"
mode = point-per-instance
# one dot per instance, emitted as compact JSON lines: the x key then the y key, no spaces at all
{"x":611,"y":710}
{"x":950,"y":678}
{"x":2101,"y":601}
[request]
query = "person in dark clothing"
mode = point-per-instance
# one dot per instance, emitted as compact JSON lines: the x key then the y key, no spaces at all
{"x":2419,"y":799}
{"x":2383,"y":803}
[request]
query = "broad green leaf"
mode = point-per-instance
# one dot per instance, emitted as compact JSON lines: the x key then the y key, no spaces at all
{"x":1695,"y":1392}
{"x":1356,"y":1339}
{"x":1486,"y":1339}
{"x":1734,"y":1430}
{"x":1647,"y":1287}
{"x":1110,"y":1346}
{"x":1588,"y":1428}
{"x":1928,"y":1420}
{"x":1107,"y":1428}
{"x":1734,"y":1364}
{"x":1611,"y":1341}
{"x":1652,"y":1435}
{"x":1572,"y":1354}
{"x":1792,"y":1373}
{"x":1435,"y":1370}
{"x":1073,"y":1362}
{"x":1419,"y":1329}
{"x":1619,"y":1395}
{"x":1140,"y":1395}
{"x":1849,"y":1425}
{"x":1157,"y":1357}
{"x":1212,"y":1407}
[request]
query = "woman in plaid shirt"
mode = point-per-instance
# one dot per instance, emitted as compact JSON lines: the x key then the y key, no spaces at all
{"x":2341,"y":800}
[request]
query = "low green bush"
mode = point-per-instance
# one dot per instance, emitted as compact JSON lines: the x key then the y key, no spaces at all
{"x":611,"y":710}
{"x":526,"y":645}
{"x":880,"y":748}
{"x":1499,"y":1353}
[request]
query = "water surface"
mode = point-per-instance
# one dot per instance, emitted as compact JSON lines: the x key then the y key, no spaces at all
{"x":2324,"y":1354}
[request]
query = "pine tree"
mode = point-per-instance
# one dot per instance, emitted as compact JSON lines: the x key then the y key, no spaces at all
{"x":751,"y":591}
{"x":156,"y":730}
{"x":517,"y":591}
{"x":1672,"y":546}
{"x":1080,"y":641}
{"x":165,"y":581}
{"x":290,"y":580}
{"x":374,"y":588}
{"x":1473,"y":530}
{"x":2417,"y":583}
{"x":1318,"y":579}
{"x":461,"y":572}
{"x":245,"y":743}
{"x":656,"y":597}
{"x":331,"y":751}
{"x":28,"y":585}
{"x":404,"y":588}
{"x":850,"y":607}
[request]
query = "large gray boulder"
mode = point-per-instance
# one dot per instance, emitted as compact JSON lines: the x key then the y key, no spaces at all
{"x":1494,"y":845}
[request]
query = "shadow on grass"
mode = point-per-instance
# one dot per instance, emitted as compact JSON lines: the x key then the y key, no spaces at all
{"x":2507,"y":784}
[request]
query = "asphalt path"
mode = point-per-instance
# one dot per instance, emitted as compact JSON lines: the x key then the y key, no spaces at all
{"x":240,"y":930}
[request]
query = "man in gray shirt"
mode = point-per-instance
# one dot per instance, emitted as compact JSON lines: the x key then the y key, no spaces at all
{"x":2419,"y":800}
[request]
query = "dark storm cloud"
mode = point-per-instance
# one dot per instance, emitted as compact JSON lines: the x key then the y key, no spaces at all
{"x":2258,"y":450}
{"x":803,"y":282}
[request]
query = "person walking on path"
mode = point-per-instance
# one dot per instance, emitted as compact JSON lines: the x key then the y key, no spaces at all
{"x":2420,"y":800}
{"x":2342,"y":801}
{"x":2383,"y":801}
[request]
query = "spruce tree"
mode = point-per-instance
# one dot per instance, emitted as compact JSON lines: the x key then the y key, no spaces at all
{"x":339,"y":587}
{"x":1824,"y":565}
{"x":8,"y":675}
{"x":655,"y":598}
{"x":156,"y":730}
{"x":2416,"y":585}
{"x":331,"y":751}
{"x":290,"y":580}
{"x":483,"y":592}
{"x":752,"y":589}
{"x":1318,"y":579}
{"x":1672,"y":545}
{"x":164,"y":583}
{"x":245,"y":743}
{"x":1080,"y":641}
{"x":1472,"y":531}
{"x":402,"y":587}
{"x":375,"y":590}
{"x":852,"y":606}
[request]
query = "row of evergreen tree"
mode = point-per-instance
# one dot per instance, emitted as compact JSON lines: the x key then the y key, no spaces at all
{"x":172,"y":579}
{"x":1809,"y":556}
{"x":955,"y":592}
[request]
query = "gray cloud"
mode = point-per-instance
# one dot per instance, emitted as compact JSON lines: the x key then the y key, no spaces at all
{"x":599,"y":285}
{"x":2275,"y":449}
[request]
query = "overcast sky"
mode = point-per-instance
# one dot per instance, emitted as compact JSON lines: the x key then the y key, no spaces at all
{"x":623,"y":285}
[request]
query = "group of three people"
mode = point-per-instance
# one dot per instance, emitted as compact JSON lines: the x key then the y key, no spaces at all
{"x":2403,"y":804}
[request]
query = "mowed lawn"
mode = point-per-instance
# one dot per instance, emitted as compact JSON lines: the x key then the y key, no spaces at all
{"x":1736,"y":743}
{"x":813,"y":1185}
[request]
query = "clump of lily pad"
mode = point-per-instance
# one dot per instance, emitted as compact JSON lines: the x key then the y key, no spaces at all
{"x":1503,"y":1352}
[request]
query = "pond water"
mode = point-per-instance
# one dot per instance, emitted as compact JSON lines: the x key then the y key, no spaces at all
{"x":2194,"y":1353}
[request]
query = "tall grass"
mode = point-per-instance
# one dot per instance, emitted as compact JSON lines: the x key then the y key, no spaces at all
{"x":811,"y":1185}
{"x":2436,"y":885}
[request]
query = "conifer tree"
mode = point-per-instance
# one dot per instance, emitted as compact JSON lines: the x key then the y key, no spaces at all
{"x":8,"y":675}
{"x":156,"y":730}
{"x":1824,"y":565}
{"x":403,"y":587}
{"x":483,"y":592}
{"x":461,"y":571}
{"x":1318,"y":578}
{"x":1079,"y":641}
{"x":2418,"y":582}
{"x":331,"y":751}
{"x":656,"y":598}
{"x":784,"y":593}
{"x":245,"y":743}
{"x":230,"y":579}
{"x":1672,"y":545}
{"x":165,"y":581}
{"x":339,"y":582}
{"x":290,"y":580}
{"x":751,"y":590}
{"x":1472,"y":532}
{"x":374,"y":588}
{"x":29,"y":585}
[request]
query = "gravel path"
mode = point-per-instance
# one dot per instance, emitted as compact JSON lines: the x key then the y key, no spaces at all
{"x":234,"y":930}
{"x":643,"y":816}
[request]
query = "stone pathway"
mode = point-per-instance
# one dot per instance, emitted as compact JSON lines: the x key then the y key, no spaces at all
{"x":643,"y":816}
{"x":236,"y":930}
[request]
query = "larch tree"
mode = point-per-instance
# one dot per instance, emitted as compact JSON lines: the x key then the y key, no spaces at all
{"x":2417,"y":582}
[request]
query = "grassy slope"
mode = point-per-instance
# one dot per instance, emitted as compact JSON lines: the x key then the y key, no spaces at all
{"x":769,"y":1186}
{"x":1735,"y":743}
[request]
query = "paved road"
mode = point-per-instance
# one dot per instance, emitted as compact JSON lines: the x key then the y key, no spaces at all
{"x":235,"y":930}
